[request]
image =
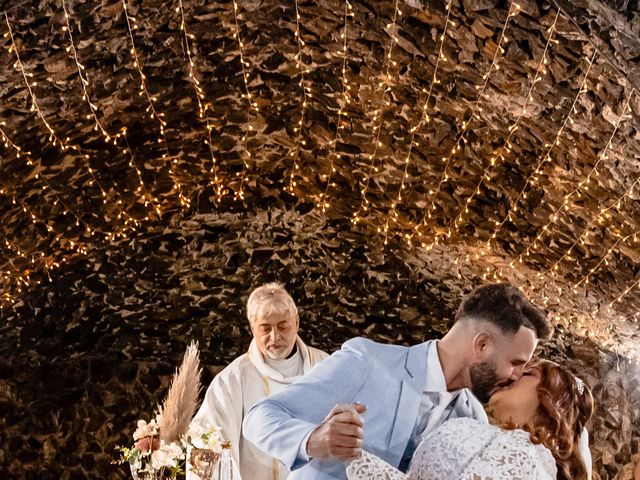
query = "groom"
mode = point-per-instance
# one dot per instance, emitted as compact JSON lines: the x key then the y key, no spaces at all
{"x":400,"y":393}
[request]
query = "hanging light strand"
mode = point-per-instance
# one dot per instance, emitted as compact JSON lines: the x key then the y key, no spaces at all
{"x":6,"y":299}
{"x":620,"y":239}
{"x":634,"y":316}
{"x":251,"y":105}
{"x":203,"y":104}
{"x":506,"y":146}
{"x":599,"y":219}
{"x":514,"y":9}
{"x":44,"y":265}
{"x":324,"y":203}
{"x":306,"y":98}
{"x":15,"y":277}
{"x":108,"y":138}
{"x":533,"y":177}
{"x":152,"y":111}
{"x":16,"y":249}
{"x":84,"y":81}
{"x":20,"y":153}
{"x":62,"y":145}
{"x":564,"y":205}
{"x":38,"y":263}
{"x":33,"y":218}
{"x":20,"y":279}
{"x":624,"y":293}
{"x":384,"y":85}
{"x":424,"y":119}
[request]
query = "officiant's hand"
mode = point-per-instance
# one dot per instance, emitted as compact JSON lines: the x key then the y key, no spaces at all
{"x":340,"y":435}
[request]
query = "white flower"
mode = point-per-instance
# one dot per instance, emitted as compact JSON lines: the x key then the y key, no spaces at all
{"x":209,"y":438}
{"x":145,"y":429}
{"x":166,"y":456}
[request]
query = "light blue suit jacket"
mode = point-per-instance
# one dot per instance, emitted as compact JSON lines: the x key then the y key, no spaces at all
{"x":388,"y":379}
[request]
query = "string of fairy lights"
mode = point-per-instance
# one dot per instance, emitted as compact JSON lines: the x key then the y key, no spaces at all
{"x":376,"y":126}
{"x":620,"y":239}
{"x":603,"y":214}
{"x":618,"y":298}
{"x":534,"y":177}
{"x":345,"y":99}
{"x":514,"y":9}
{"x":203,"y":104}
{"x":153,"y":111}
{"x":324,"y":203}
{"x":250,"y":103}
{"x":506,"y":147}
{"x":63,"y":145}
{"x":109,"y":138}
{"x":35,"y":219}
{"x":26,"y":155}
{"x":18,"y":280}
{"x":37,"y":261}
{"x":306,"y":98}
{"x":424,"y":119}
{"x":583,"y":184}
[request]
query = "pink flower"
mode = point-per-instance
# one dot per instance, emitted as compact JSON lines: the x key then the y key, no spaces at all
{"x":146,"y":429}
{"x":143,"y":444}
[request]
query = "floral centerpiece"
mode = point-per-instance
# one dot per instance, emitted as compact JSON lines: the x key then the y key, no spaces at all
{"x":153,"y":458}
{"x":160,"y":445}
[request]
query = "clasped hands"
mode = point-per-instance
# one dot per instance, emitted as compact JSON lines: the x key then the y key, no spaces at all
{"x":340,"y":435}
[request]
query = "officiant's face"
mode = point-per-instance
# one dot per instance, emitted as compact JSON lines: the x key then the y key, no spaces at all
{"x":275,"y":334}
{"x":501,"y":360}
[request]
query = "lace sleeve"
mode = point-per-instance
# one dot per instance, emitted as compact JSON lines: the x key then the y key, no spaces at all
{"x":370,"y":467}
{"x":465,"y":449}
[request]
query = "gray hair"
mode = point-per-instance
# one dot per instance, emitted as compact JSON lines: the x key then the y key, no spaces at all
{"x":268,"y":299}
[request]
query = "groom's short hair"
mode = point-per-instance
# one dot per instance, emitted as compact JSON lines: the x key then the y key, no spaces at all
{"x":505,"y":307}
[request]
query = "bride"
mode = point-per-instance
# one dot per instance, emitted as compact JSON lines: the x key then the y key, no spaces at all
{"x":534,"y":434}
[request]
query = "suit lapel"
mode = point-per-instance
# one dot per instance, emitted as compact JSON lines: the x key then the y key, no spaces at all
{"x":409,"y":399}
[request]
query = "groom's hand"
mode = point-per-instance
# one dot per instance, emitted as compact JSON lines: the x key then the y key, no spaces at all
{"x":340,"y":436}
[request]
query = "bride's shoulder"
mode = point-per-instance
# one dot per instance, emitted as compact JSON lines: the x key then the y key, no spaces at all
{"x":467,"y":424}
{"x":518,"y":439}
{"x":457,"y":431}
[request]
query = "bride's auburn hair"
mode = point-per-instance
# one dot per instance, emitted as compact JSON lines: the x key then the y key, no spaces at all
{"x":564,"y":409}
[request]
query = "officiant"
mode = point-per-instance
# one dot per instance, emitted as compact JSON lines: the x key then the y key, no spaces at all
{"x":276,"y":357}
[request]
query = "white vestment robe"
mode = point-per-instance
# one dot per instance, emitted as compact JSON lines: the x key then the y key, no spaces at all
{"x":232,"y":393}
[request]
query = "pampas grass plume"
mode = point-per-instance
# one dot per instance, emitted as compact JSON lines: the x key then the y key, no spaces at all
{"x":182,"y":399}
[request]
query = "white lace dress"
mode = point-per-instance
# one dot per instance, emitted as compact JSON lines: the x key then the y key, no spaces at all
{"x":465,"y":449}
